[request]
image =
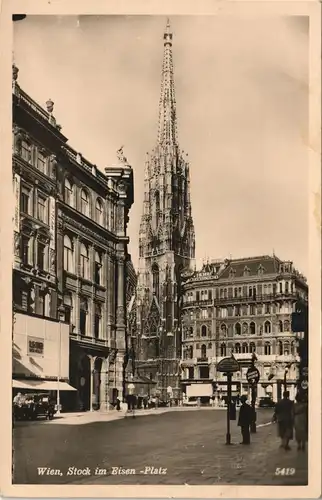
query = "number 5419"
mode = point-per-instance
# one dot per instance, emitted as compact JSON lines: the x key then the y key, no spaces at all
{"x":285,"y":471}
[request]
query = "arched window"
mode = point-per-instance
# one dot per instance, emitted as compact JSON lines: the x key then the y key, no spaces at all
{"x":223,"y":329}
{"x":252,"y":328}
{"x":99,"y":211}
{"x":223,"y":350}
{"x":68,"y":193}
{"x":84,"y":203}
{"x":267,"y":327}
{"x":293,"y":348}
{"x":155,"y":280}
{"x":98,"y":268}
{"x":280,"y":348}
{"x":286,"y":348}
{"x":252,"y":347}
{"x":84,"y":262}
{"x":267,"y":348}
{"x":280,"y":326}
{"x":237,"y":329}
{"x":97,"y":321}
{"x":244,"y":347}
{"x":245,"y":328}
{"x":68,"y":305}
{"x":83,"y":316}
{"x":203,"y":351}
{"x":68,"y":255}
{"x":204,"y":331}
{"x":237,"y":348}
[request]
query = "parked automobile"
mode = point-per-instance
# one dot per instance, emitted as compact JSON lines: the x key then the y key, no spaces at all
{"x":266,"y":402}
{"x":35,"y":405}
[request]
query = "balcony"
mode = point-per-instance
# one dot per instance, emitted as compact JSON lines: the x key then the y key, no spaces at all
{"x":258,"y":298}
{"x":203,"y":359}
{"x":200,"y":303}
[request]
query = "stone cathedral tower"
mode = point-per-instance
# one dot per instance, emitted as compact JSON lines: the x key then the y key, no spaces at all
{"x":166,"y":243}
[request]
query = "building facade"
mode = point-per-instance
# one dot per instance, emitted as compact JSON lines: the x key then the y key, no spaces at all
{"x":166,"y":243}
{"x":70,"y":248}
{"x":241,"y":307}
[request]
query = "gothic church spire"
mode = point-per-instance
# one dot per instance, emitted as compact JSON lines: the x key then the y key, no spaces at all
{"x":167,"y":131}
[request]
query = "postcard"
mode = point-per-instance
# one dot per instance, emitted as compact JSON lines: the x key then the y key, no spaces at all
{"x":161,"y":249}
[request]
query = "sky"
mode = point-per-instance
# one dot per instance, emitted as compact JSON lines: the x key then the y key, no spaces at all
{"x":242,"y":107}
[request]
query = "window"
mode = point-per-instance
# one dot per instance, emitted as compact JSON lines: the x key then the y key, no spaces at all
{"x":155,"y":280}
{"x":41,"y":249}
{"x":252,"y":328}
{"x":286,"y":348}
{"x":209,"y":345}
{"x":26,"y":151}
{"x":267,"y":308}
{"x":25,"y":249}
{"x":237,"y":329}
{"x":235,"y":292}
{"x":223,"y":329}
{"x":245,"y":329}
{"x":267,"y":348}
{"x":223,"y":312}
{"x":84,"y":262}
{"x":237,"y":348}
{"x":274,"y":288}
{"x":191,"y":372}
{"x":25,"y":200}
{"x":252,"y":310}
{"x":286,"y":287}
{"x":237,"y":310}
{"x":197,"y":296}
{"x":267,"y":327}
{"x":69,"y":193}
{"x":68,"y":304}
{"x":98,"y":267}
{"x":223,"y":350}
{"x":281,"y":288}
{"x":41,"y":161}
{"x":204,"y":331}
{"x":209,"y":294}
{"x":204,"y":371}
{"x":280,"y":348}
{"x":204,"y":313}
{"x":41,"y":209}
{"x":286,"y":326}
{"x":225,"y":293}
{"x":99,"y":211}
{"x":68,"y":255}
{"x":245,"y":348}
{"x":97,"y":321}
{"x":252,"y":347}
{"x":83,"y":316}
{"x":280,"y":326}
{"x":203,"y":351}
{"x":250,"y":292}
{"x":84,"y":203}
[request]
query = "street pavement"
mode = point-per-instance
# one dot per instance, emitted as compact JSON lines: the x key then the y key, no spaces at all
{"x":155,"y":447}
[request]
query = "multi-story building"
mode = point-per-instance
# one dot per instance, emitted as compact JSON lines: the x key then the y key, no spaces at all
{"x":70,"y":252}
{"x":166,"y":243}
{"x":241,"y":306}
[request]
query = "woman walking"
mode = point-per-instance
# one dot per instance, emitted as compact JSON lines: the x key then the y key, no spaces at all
{"x":300,"y":421}
{"x":284,"y":417}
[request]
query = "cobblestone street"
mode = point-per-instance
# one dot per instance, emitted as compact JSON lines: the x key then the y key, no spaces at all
{"x":189,"y":445}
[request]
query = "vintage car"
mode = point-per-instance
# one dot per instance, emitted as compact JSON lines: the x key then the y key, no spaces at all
{"x":266,"y":402}
{"x":35,"y":405}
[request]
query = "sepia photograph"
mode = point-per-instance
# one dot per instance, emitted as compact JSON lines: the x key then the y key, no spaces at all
{"x":161,"y":259}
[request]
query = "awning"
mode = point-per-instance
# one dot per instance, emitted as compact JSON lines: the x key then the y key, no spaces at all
{"x":42,"y":385}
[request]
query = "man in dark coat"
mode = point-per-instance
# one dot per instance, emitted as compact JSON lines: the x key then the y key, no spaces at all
{"x":245,"y":419}
{"x":284,"y":417}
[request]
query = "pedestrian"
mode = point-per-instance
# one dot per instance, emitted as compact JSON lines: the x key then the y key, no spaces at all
{"x":245,"y":419}
{"x":118,"y":404}
{"x":300,"y":415}
{"x":283,"y":415}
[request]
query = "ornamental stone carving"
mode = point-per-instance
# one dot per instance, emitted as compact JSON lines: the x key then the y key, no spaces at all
{"x":52,"y":260}
{"x":17,"y":244}
{"x":17,"y":142}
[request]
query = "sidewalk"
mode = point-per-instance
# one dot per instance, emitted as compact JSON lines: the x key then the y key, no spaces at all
{"x":79,"y":418}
